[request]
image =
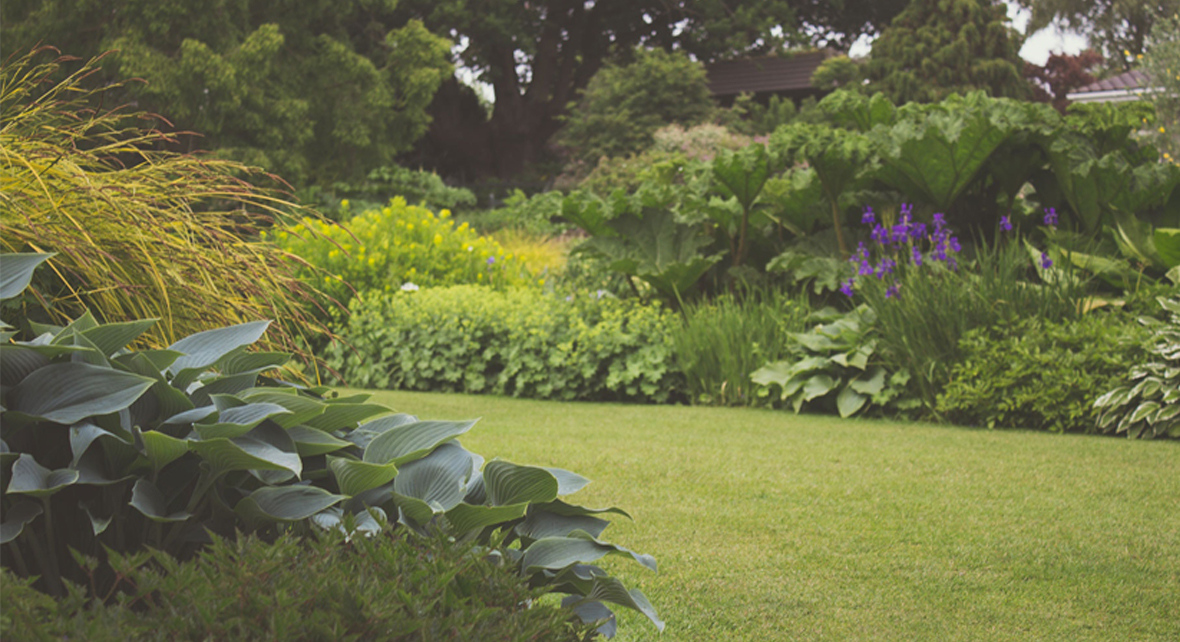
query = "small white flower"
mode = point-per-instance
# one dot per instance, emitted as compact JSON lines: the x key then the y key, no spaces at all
{"x":409,"y":287}
{"x":470,"y":248}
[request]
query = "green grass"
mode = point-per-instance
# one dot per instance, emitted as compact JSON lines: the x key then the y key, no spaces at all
{"x":770,"y":526}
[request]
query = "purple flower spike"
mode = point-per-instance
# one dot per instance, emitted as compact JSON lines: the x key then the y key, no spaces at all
{"x":918,"y":231}
{"x":917,"y":255}
{"x":1051,"y":216}
{"x":955,"y":247}
{"x":891,"y":291}
{"x":868,"y":218}
{"x":939,"y":221}
{"x":1046,"y":262}
{"x":1005,"y":224}
{"x":907,"y":213}
{"x":880,"y":234}
{"x":846,"y":288}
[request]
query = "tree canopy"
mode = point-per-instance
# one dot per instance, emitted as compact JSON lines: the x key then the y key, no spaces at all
{"x":1120,"y":29}
{"x":938,"y":47}
{"x":314,"y":90}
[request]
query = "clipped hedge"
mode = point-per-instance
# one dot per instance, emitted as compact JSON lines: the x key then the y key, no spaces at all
{"x":523,"y":343}
{"x":1040,"y":374}
{"x":387,"y":587}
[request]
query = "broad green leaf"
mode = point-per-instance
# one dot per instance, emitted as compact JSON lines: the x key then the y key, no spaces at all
{"x":191,"y":416}
{"x":742,"y":173}
{"x":591,"y":611}
{"x":92,"y":469}
{"x":1143,"y":411}
{"x":873,"y":385}
{"x":98,"y":525}
{"x":67,"y":393}
{"x":238,"y":421}
{"x":818,"y":386}
{"x":16,"y":271}
{"x":83,"y":435}
{"x":203,"y":349}
{"x":540,"y":524}
{"x":509,"y":483}
{"x":558,"y":507}
{"x":229,"y":385}
{"x":300,"y":408}
{"x":556,"y":553}
{"x":16,"y":518}
{"x":337,"y":416}
{"x":355,"y":477}
{"x":112,"y":337}
{"x":18,"y":362}
{"x":1167,"y":245}
{"x":407,"y":442}
{"x":310,"y":442}
{"x":267,"y":447}
{"x":568,"y":483}
{"x":437,"y":480}
{"x":609,"y":589}
{"x":285,"y":503}
{"x":465,"y":518}
{"x":161,"y":449}
{"x":240,"y":361}
{"x":31,"y":478}
{"x":849,"y":401}
{"x":367,"y":432}
{"x":148,"y":499}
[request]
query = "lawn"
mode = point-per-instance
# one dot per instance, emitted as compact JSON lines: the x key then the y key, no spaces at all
{"x":770,"y":526}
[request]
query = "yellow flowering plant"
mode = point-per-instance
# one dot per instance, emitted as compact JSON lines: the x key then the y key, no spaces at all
{"x":398,"y":247}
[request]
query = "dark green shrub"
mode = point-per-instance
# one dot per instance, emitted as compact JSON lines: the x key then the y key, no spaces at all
{"x":520,"y":342}
{"x":387,"y":587}
{"x":1036,"y":373}
{"x":381,"y":185}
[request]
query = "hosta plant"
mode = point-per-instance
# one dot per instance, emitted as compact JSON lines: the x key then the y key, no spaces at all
{"x":1148,"y":404}
{"x":104,"y":448}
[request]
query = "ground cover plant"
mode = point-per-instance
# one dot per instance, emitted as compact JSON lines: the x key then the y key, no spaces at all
{"x":772,"y":526}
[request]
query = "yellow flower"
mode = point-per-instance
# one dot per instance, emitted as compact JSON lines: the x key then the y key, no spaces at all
{"x":1138,"y":56}
{"x":1127,"y":53}
{"x":438,"y":239}
{"x":333,"y":254}
{"x":387,"y":212}
{"x":1162,"y":130}
{"x":344,"y":203}
{"x":444,"y":213}
{"x":410,"y":227}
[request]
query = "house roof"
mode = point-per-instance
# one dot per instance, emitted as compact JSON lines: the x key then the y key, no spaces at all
{"x":764,"y":74}
{"x":1133,"y":79}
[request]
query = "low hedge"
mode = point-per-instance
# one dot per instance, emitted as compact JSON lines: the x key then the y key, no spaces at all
{"x":388,"y":587}
{"x":521,"y":342}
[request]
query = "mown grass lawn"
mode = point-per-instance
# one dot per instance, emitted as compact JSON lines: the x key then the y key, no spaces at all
{"x":770,"y":526}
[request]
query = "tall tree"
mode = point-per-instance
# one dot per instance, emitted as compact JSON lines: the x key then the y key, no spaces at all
{"x":938,"y":47}
{"x":316,"y":90}
{"x":1120,"y":29}
{"x":1061,"y":74}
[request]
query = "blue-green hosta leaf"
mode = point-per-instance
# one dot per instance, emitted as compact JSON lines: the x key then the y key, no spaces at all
{"x":300,"y":408}
{"x":355,"y":477}
{"x":369,"y":521}
{"x":339,"y":416}
{"x":192,"y":416}
{"x":87,"y":352}
{"x":849,"y":401}
{"x":16,"y":270}
{"x":285,"y":503}
{"x":609,"y":589}
{"x":67,"y":393}
{"x":92,"y":469}
{"x":568,"y":483}
{"x":267,"y":447}
{"x":84,"y":434}
{"x":556,"y":553}
{"x":435,"y":482}
{"x":239,"y":361}
{"x":540,"y":524}
{"x":203,"y":349}
{"x":408,"y":442}
{"x":15,"y":518}
{"x":509,"y":483}
{"x":310,"y":442}
{"x":148,"y":499}
{"x":98,"y":525}
{"x":18,"y":362}
{"x":367,"y":432}
{"x":591,"y":611}
{"x":228,"y":385}
{"x":558,"y":507}
{"x":161,"y":449}
{"x":465,"y":518}
{"x":109,"y":338}
{"x":235,"y":422}
{"x":31,"y":478}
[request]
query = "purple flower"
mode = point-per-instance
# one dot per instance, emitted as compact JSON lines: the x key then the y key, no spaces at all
{"x":917,"y":255}
{"x":1051,"y":216}
{"x":1046,"y":262}
{"x":907,"y":211}
{"x":918,"y":231}
{"x":868,"y":218}
{"x":846,"y":288}
{"x":955,"y":247}
{"x":491,"y":260}
{"x":939,"y":221}
{"x":885,"y":267}
{"x":891,"y":291}
{"x":880,"y":234}
{"x":1005,"y":224}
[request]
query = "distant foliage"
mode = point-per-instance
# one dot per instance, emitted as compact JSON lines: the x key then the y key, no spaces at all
{"x":416,"y":187}
{"x":523,"y":343}
{"x":1040,"y":374}
{"x":624,"y":105}
{"x":1162,"y":64}
{"x":938,"y":47}
{"x":397,"y":246}
{"x":1060,"y":75}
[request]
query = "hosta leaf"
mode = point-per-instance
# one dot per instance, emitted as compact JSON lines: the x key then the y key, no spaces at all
{"x":236,"y":422}
{"x":31,"y":478}
{"x":509,"y":483}
{"x":161,"y":449}
{"x":818,"y":386}
{"x":555,"y":553}
{"x":591,"y":611}
{"x":16,"y":518}
{"x":310,"y":442}
{"x":437,"y":480}
{"x":285,"y":503}
{"x":83,"y":435}
{"x":368,"y":521}
{"x":465,"y":518}
{"x":849,"y":401}
{"x":18,"y":362}
{"x":227,"y":385}
{"x":97,"y":524}
{"x":191,"y":416}
{"x":408,"y":442}
{"x":337,"y":416}
{"x":1165,"y":413}
{"x":16,"y":270}
{"x":540,"y":524}
{"x":354,"y":476}
{"x":92,"y":469}
{"x":267,"y":447}
{"x":301,"y":409}
{"x":1143,"y":411}
{"x":203,"y":349}
{"x":367,"y":432}
{"x":67,"y":393}
{"x":568,"y":483}
{"x":147,"y":499}
{"x":609,"y":589}
{"x":111,"y":337}
{"x":240,"y":361}
{"x":558,"y":507}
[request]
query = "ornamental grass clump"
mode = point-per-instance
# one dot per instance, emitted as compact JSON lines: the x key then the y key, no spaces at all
{"x":927,"y":291}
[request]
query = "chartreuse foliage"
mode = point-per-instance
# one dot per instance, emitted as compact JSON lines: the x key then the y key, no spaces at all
{"x":391,"y":586}
{"x":1147,"y":404}
{"x":522,"y":342}
{"x":106,"y":447}
{"x":137,"y":232}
